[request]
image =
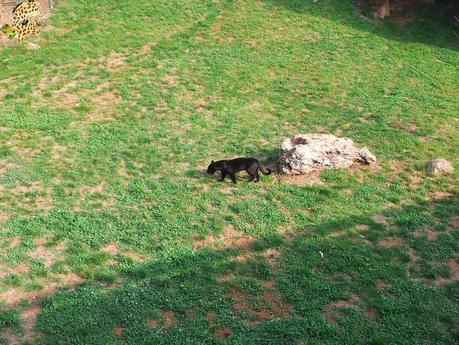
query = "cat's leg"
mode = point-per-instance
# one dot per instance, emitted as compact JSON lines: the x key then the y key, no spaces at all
{"x":222,"y":178}
{"x":252,"y":171}
{"x":257,"y":176}
{"x":251,"y":174}
{"x":233,"y":177}
{"x":34,"y":27}
{"x":35,"y":31}
{"x":17,"y":27}
{"x":20,"y":34}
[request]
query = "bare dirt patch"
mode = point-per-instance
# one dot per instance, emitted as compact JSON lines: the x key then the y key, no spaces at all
{"x":454,"y":267}
{"x":104,"y":106}
{"x":133,"y":256}
{"x":332,"y":309}
{"x":455,"y":222}
{"x":407,"y":127}
{"x":242,"y":304}
{"x":275,"y":303}
{"x":58,"y":151}
{"x":118,"y":331}
{"x":111,"y":97}
{"x":69,"y":85}
{"x":226,"y":277}
{"x":92,"y":189}
{"x":413,"y":256}
{"x":146,"y":48}
{"x":381,"y":284}
{"x":396,"y":166}
{"x":28,"y":188}
{"x":233,"y":238}
{"x":114,"y":61}
{"x":4,"y":217}
{"x":440,"y":195}
{"x":190,"y":314}
{"x":33,"y":196}
{"x":344,"y":303}
{"x":312,"y":178}
{"x":171,"y":81}
{"x":114,"y":249}
{"x":391,"y":242}
{"x":111,"y":249}
{"x":29,"y":319}
{"x":27,"y":153}
{"x":267,"y":284}
{"x":379,"y":218}
{"x":3,"y":271}
{"x":373,"y":313}
{"x":415,"y":181}
{"x":361,"y":227}
{"x":154,"y":324}
{"x":15,"y":241}
{"x":165,"y":321}
{"x":71,"y":99}
{"x":5,"y":166}
{"x":50,"y":27}
{"x":122,"y":169}
{"x":40,"y":241}
{"x":431,"y":235}
{"x":70,"y":280}
{"x":41,"y":252}
{"x":224,"y":332}
{"x":271,"y":256}
{"x":14,"y":295}
{"x":212,"y":318}
{"x":271,"y":303}
{"x":22,"y":268}
{"x":3,"y":92}
{"x":168,"y":317}
{"x":102,"y":86}
{"x":230,"y":237}
{"x":454,"y":273}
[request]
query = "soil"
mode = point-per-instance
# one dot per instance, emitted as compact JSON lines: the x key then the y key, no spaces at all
{"x":332,"y":309}
{"x":224,"y":332}
{"x":391,"y":242}
{"x":118,"y":331}
{"x":230,"y":237}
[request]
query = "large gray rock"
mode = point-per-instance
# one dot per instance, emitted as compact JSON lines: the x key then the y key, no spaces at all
{"x":439,"y":166}
{"x":305,"y":153}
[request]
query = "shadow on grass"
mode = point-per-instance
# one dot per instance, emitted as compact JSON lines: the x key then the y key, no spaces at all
{"x":333,"y":283}
{"x":429,"y":26}
{"x":198,"y":174}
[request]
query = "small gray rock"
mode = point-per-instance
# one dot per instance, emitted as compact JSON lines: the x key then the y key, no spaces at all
{"x":439,"y":166}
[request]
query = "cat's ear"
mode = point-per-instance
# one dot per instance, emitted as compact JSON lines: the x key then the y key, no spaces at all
{"x":212,"y":162}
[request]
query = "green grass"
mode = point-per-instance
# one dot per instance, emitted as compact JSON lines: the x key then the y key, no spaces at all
{"x":106,"y":131}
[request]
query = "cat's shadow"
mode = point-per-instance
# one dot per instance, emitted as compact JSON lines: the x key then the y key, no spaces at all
{"x":197,"y":174}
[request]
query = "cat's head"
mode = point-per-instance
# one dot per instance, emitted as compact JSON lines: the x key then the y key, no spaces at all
{"x":211,"y":168}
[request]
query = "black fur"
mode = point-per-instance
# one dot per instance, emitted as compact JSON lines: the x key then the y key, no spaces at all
{"x":232,"y":166}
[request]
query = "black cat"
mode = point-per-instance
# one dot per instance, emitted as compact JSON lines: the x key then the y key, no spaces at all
{"x":232,"y":166}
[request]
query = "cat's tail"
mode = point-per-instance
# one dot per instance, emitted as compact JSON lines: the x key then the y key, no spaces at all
{"x":265,"y":171}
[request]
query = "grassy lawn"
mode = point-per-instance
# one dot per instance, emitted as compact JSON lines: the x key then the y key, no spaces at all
{"x":111,"y":232}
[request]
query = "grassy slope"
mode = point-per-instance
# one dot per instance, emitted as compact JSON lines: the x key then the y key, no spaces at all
{"x":106,"y":130}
